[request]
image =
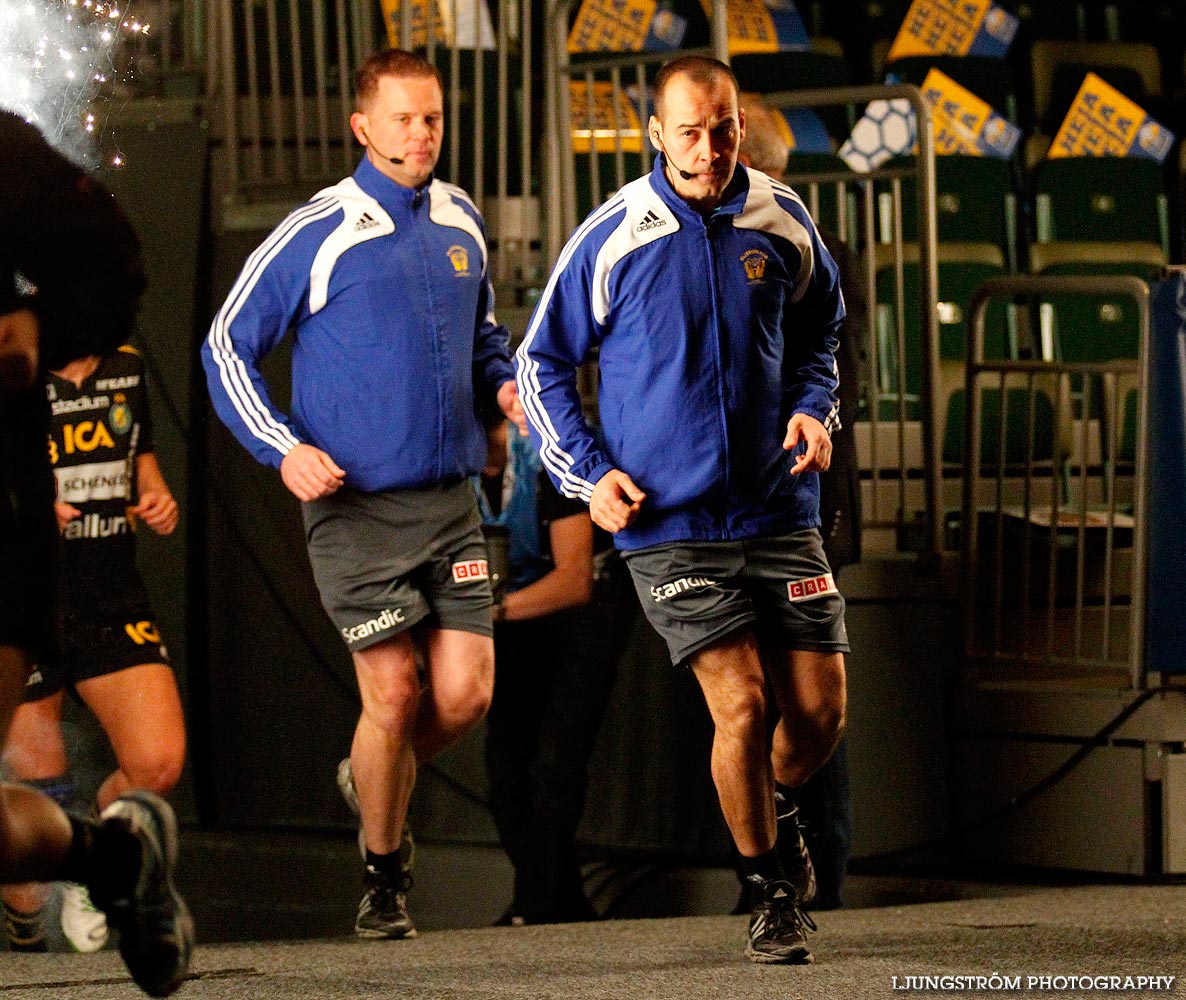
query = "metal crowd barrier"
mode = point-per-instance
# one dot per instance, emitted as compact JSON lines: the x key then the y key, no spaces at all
{"x":1054,"y":505}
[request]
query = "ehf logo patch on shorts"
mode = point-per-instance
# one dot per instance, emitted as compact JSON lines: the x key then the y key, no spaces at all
{"x":471,"y":569}
{"x":810,"y":589}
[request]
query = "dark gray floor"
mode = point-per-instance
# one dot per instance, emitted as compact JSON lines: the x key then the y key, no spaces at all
{"x":1081,"y":931}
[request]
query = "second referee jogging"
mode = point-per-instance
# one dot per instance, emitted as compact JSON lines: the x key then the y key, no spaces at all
{"x":713,"y":332}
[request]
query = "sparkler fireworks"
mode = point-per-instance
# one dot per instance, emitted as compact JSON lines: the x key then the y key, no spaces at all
{"x":58,"y":65}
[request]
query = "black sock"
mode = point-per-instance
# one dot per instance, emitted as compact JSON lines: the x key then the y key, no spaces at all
{"x":79,"y":866}
{"x":764,"y":868}
{"x":386,"y":866}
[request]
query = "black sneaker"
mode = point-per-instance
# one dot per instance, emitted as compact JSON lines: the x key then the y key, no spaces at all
{"x":407,"y":845}
{"x":156,"y":932}
{"x":383,"y":912}
{"x":778,"y":927}
{"x":792,"y":850}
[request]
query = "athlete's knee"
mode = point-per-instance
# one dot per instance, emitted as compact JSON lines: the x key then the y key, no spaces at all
{"x":741,"y":711}
{"x":467,"y":699}
{"x":157,"y":769}
{"x":392,"y":704}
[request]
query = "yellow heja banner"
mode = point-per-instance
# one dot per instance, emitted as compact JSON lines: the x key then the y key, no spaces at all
{"x":762,"y":25}
{"x":610,"y":125}
{"x":963,"y":124}
{"x":1103,"y":122}
{"x":954,"y":27}
{"x":603,"y":26}
{"x":455,"y":22}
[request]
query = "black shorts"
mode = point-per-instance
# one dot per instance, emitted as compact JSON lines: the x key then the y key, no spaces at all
{"x":695,"y":593}
{"x":96,"y":646}
{"x":385,"y":561}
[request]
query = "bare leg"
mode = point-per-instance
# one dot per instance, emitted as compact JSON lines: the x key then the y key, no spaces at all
{"x":810,"y":689}
{"x":730,"y":675}
{"x":35,"y":751}
{"x":140,"y":711}
{"x":35,"y":834}
{"x":382,"y":756}
{"x":460,"y":685}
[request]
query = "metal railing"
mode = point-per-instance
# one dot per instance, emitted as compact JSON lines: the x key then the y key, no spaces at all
{"x":280,"y":91}
{"x":1054,"y":516}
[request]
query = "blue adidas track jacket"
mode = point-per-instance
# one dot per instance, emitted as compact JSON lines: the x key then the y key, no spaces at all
{"x":387,"y":291}
{"x":712,"y":334}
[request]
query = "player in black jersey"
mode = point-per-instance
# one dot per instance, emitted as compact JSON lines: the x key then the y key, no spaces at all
{"x":108,"y":479}
{"x":70,"y":284}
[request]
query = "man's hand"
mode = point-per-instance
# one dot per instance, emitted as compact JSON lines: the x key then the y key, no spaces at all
{"x":310,"y":473}
{"x":65,"y":514}
{"x":818,"y":456}
{"x":158,"y":510}
{"x":512,"y":406}
{"x":615,"y":502}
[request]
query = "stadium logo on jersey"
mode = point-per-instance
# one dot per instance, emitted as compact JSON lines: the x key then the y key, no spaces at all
{"x":471,"y":569}
{"x":810,"y":589}
{"x":754,"y":262}
{"x":387,"y":619}
{"x":676,"y":587}
{"x":650,"y":221}
{"x":366,"y":221}
{"x":120,"y":416}
{"x":459,"y":258}
{"x":79,"y":404}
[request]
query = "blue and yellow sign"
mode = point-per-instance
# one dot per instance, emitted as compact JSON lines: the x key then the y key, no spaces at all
{"x":954,"y":28}
{"x":625,"y":26}
{"x":964,"y":124}
{"x":455,"y":22}
{"x":1103,"y":122}
{"x":803,"y":130}
{"x":611,"y":124}
{"x":763,"y":26}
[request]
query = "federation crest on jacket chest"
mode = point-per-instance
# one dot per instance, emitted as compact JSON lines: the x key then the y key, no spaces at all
{"x":754,"y":262}
{"x":459,"y":258}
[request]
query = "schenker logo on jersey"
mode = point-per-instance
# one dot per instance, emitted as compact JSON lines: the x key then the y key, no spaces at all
{"x":470,"y":570}
{"x":684,"y":583}
{"x":808,"y":590}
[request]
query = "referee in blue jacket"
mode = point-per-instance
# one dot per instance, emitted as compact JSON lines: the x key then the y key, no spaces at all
{"x":383,"y":277}
{"x":714,"y":306}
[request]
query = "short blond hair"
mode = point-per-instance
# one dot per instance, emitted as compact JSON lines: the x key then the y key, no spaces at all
{"x":398,"y":63}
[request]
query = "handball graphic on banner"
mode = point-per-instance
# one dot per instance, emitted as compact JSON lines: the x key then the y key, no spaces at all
{"x":963,"y":125}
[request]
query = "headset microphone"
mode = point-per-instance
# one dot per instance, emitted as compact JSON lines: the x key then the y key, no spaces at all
{"x":683,"y":173}
{"x":394,"y":159}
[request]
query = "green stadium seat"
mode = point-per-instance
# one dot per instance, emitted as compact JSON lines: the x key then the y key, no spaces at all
{"x":1092,"y":328}
{"x":1094,"y":198}
{"x":974,"y":203}
{"x":962,"y":267}
{"x":987,"y":78}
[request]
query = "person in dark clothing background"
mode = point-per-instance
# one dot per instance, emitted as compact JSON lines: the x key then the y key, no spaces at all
{"x":560,"y":628}
{"x":70,"y":285}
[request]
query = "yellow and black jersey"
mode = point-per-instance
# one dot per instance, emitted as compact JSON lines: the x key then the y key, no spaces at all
{"x":97,"y":429}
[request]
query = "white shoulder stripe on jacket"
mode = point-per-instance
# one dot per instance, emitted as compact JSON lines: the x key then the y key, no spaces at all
{"x":232,"y":371}
{"x":556,"y":459}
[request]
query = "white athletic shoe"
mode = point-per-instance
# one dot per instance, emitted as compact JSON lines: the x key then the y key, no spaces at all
{"x":83,"y":923}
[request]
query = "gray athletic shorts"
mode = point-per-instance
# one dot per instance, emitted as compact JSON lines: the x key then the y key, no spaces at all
{"x":385,"y":561}
{"x":781,"y":588}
